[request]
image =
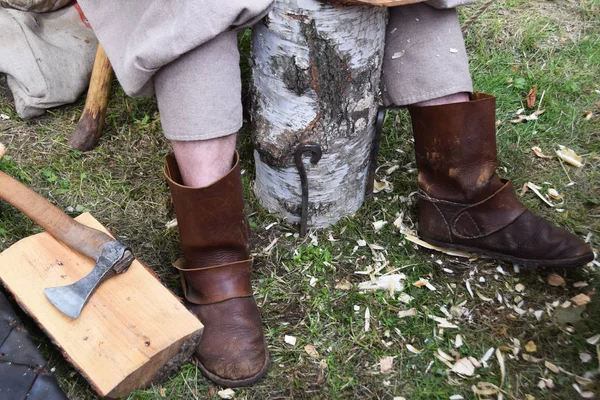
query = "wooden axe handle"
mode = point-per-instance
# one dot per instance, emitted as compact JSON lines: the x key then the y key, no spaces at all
{"x":85,"y":240}
{"x":89,"y":127}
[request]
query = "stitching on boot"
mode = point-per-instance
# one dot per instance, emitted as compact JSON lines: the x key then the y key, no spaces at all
{"x":455,"y":232}
{"x":425,"y":196}
{"x":445,"y":221}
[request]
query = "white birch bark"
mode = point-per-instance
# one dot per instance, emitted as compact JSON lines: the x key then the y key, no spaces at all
{"x":316,"y":71}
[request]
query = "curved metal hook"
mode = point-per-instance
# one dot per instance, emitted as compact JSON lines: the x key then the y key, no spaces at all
{"x":316,"y":154}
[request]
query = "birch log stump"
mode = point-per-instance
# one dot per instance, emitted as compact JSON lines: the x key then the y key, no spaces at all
{"x":316,"y":71}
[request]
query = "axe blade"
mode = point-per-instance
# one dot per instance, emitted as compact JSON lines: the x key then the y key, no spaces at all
{"x":70,"y":300}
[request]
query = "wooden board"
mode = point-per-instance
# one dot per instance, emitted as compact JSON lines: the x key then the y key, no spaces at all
{"x":130,"y":329}
{"x":377,"y":3}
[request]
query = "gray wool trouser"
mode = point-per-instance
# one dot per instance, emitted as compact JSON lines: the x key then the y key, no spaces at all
{"x":196,"y":75}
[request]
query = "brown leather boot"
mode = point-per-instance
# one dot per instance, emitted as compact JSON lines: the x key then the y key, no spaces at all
{"x":215,"y":276}
{"x":463,"y":203}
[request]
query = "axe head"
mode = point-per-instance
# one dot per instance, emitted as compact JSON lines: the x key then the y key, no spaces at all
{"x":115,"y":258}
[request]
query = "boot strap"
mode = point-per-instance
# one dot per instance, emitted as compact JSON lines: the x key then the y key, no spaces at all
{"x":214,"y":284}
{"x":472,"y":221}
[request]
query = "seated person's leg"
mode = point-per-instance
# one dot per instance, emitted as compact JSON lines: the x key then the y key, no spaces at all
{"x":199,"y":99}
{"x":463,"y":203}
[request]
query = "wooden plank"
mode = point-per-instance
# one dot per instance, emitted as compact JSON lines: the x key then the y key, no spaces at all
{"x":376,"y":3}
{"x":131,"y":327}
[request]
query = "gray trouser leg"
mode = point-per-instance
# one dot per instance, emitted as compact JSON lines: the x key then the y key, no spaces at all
{"x":199,"y":94}
{"x":425,"y":55}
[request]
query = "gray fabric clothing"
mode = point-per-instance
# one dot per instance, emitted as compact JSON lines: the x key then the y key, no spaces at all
{"x":425,"y":56}
{"x":35,"y":5}
{"x":140,"y":37}
{"x":199,"y":94}
{"x":449,"y":3}
{"x":47,"y":57}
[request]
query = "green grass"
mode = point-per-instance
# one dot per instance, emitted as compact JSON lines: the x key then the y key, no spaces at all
{"x":513,"y":46}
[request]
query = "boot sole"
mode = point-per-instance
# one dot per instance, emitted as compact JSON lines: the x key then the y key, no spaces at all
{"x":230,"y":383}
{"x":527,"y":262}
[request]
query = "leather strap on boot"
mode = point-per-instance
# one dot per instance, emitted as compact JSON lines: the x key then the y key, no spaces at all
{"x":215,"y":284}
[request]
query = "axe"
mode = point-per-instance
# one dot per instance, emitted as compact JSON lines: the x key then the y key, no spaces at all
{"x":111,"y":256}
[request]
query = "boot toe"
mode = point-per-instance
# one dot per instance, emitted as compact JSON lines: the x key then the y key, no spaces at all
{"x":554,"y":244}
{"x":232,"y":349}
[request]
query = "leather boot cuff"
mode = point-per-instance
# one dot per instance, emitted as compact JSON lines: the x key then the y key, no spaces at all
{"x":215,"y":284}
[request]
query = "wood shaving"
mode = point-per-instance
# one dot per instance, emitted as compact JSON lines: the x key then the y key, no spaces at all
{"x":536,"y":190}
{"x":407,"y":313}
{"x":485,"y":389}
{"x":569,"y":156}
{"x":500,"y":358}
{"x":422,"y":243}
{"x":391,"y":283}
{"x":551,"y":367}
{"x":531,"y":359}
{"x":413,"y":349}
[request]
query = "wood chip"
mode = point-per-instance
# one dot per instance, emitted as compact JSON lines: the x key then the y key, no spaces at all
{"x":487,"y":355}
{"x":530,"y":347}
{"x":367,"y":319}
{"x":593,"y":340}
{"x":464,"y":367}
{"x":585,"y":357}
{"x":226,"y":394}
{"x":344,"y":284}
{"x":458,"y":342}
{"x":581,"y":299}
{"x":555,"y":280}
{"x":385,"y":364}
{"x":377,"y":225}
{"x":420,"y":283}
{"x":291,"y":340}
{"x":312,"y":351}
{"x":531,"y":96}
{"x":382,"y":186}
